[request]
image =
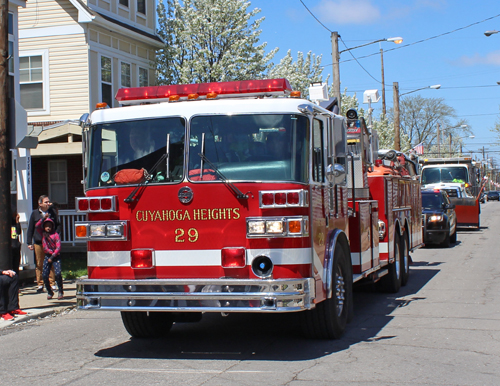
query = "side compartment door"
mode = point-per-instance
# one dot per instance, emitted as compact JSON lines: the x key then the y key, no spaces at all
{"x":319,"y":199}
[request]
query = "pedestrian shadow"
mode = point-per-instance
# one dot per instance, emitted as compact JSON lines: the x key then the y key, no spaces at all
{"x":273,"y":337}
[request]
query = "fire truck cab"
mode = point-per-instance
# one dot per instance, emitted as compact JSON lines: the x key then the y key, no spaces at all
{"x":221,"y":197}
{"x":460,"y":178}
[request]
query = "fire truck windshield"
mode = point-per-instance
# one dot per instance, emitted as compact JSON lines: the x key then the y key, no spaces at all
{"x":434,"y":175}
{"x":265,"y":147}
{"x":251,"y":147}
{"x":136,"y":145}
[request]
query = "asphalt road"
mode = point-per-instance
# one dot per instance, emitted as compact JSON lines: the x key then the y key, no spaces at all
{"x":443,"y":328}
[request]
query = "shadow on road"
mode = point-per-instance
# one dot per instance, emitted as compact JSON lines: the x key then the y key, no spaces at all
{"x":275,"y":337}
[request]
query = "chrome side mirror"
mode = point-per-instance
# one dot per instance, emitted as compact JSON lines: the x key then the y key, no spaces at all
{"x":84,"y":119}
{"x":335,"y":174}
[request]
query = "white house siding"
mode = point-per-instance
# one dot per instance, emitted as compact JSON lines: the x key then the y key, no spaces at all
{"x":68,"y":75}
{"x":47,"y":13}
{"x":128,"y":15}
{"x":121,"y":49}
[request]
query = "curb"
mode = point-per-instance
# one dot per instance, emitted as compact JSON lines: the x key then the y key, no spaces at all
{"x":34,"y":314}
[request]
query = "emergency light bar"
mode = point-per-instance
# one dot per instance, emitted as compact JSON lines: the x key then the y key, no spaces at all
{"x":244,"y":88}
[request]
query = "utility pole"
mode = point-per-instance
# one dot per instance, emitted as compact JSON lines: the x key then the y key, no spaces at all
{"x":336,"y":67}
{"x":5,"y":164}
{"x":438,"y":140}
{"x":397,"y":141}
{"x":450,"y":145}
{"x":383,"y":81}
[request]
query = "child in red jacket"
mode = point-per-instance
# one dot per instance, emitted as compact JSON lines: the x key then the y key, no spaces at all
{"x":51,"y":243}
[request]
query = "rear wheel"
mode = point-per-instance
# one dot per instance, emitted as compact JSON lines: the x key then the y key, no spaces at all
{"x":141,"y":324}
{"x":329,"y":319}
{"x":392,"y":281}
{"x":405,"y":263}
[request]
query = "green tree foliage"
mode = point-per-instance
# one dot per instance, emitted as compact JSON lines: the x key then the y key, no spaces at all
{"x":301,"y":73}
{"x":210,"y":41}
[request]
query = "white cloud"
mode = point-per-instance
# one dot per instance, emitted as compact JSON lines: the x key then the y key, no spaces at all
{"x":492,"y":58}
{"x":347,"y":11}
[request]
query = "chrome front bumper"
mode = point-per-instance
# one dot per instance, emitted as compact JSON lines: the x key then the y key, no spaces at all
{"x":196,"y":295}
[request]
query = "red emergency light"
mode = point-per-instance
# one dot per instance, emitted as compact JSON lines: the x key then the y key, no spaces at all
{"x":244,"y":88}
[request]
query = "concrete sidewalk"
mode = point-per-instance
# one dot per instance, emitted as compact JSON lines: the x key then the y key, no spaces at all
{"x":37,"y":306}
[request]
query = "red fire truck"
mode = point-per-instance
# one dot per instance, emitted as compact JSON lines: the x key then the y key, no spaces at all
{"x":388,"y":202}
{"x":234,"y":197}
{"x":460,"y":177}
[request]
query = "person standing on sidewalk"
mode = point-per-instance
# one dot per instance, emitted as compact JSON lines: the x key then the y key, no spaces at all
{"x":51,"y":243}
{"x":34,"y":239}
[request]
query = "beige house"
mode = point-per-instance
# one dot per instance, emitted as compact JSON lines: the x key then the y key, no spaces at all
{"x":74,"y":54}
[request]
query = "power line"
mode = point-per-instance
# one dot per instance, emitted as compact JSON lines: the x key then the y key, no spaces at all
{"x":364,"y":69}
{"x":353,"y":57}
{"x":430,"y":38}
{"x":315,"y":17}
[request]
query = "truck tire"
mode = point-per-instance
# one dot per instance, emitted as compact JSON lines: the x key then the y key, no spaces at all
{"x":447,"y":241}
{"x":142,"y":324}
{"x":453,"y":238}
{"x":405,"y":263}
{"x":392,"y":281}
{"x":329,"y":319}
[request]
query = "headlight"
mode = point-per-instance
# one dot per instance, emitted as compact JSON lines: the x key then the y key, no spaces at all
{"x":436,"y":218}
{"x":275,"y":226}
{"x":256,"y":227}
{"x":98,"y":230}
{"x":101,"y":230}
{"x":115,"y":230}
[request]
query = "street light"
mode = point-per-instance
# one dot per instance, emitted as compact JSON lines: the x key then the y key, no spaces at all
{"x":492,"y":32}
{"x":395,"y":89}
{"x":336,"y":59}
{"x":434,"y":87}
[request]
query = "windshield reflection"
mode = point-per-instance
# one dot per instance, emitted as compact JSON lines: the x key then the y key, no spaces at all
{"x":249,"y":147}
{"x":444,"y":174}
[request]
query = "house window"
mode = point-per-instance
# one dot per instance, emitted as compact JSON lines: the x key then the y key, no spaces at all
{"x":124,"y":3}
{"x":10,"y":24}
{"x":106,"y":81}
{"x":141,"y":6}
{"x":58,"y":181}
{"x":31,"y":77}
{"x":143,"y":77}
{"x":125,"y":75}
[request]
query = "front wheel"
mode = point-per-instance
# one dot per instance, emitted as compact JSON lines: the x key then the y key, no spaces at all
{"x":329,"y":319}
{"x":453,"y":238}
{"x":141,"y":324}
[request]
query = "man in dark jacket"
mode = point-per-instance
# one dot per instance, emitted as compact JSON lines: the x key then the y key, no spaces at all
{"x":35,"y":239}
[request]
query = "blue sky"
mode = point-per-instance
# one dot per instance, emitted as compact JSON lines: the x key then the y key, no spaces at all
{"x":464,"y":61}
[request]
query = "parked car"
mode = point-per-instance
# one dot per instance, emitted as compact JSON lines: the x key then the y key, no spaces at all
{"x":439,"y":220}
{"x":493,"y":195}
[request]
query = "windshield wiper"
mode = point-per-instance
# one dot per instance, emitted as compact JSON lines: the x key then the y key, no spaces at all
{"x":238,"y":193}
{"x":149,"y":174}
